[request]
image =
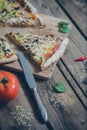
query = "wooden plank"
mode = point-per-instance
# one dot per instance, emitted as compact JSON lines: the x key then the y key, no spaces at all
{"x":73,"y":84}
{"x":77,"y":69}
{"x":67,"y":106}
{"x":24,"y":99}
{"x":65,"y":110}
{"x":80,"y":44}
{"x":77,"y":11}
{"x":77,"y":43}
{"x":52,"y":8}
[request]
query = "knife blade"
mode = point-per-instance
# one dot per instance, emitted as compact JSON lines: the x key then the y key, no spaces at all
{"x":32,"y":84}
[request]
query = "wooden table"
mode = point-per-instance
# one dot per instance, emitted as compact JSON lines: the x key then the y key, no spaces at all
{"x":66,"y":111}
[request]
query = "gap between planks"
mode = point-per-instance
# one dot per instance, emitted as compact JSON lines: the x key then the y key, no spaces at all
{"x":73,"y":21}
{"x":79,"y":93}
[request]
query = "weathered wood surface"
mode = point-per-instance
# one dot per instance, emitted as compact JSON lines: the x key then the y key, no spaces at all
{"x":77,"y":45}
{"x":77,"y":11}
{"x":66,"y":111}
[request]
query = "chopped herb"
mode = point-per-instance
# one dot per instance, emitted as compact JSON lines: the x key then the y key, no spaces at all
{"x":22,"y":117}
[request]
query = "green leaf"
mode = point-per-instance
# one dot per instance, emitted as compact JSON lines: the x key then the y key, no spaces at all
{"x":63,"y":23}
{"x":60,"y":87}
{"x":64,"y":27}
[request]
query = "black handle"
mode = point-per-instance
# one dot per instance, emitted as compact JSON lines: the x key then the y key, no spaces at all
{"x":40,"y":105}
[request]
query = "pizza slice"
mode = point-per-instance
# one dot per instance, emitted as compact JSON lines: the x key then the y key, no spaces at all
{"x":6,"y":52}
{"x":43,"y":49}
{"x":18,"y":13}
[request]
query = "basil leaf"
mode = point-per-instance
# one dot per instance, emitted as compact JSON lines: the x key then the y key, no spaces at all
{"x":64,"y":29}
{"x":63,"y":23}
{"x":60,"y":87}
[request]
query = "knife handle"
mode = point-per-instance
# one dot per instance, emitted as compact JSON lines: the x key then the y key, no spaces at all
{"x":40,"y":105}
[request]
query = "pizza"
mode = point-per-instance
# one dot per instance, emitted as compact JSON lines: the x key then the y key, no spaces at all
{"x":43,"y":49}
{"x":6,"y":52}
{"x":19,"y":13}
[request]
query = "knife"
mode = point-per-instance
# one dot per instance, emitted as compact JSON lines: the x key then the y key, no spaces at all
{"x":32,"y":84}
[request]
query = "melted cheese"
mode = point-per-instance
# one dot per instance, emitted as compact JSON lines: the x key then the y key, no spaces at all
{"x":5,"y":49}
{"x":13,"y":13}
{"x":40,"y":47}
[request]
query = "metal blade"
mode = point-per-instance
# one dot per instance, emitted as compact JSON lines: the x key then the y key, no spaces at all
{"x":31,"y":83}
{"x":27,"y":70}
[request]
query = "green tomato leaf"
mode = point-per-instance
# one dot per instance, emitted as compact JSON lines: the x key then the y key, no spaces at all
{"x":60,"y":87}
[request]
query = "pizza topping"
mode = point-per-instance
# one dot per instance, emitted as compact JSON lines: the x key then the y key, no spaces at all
{"x":13,"y":1}
{"x":4,"y":10}
{"x":17,"y":8}
{"x":13,"y":12}
{"x":1,"y":54}
{"x":40,"y":47}
{"x":5,"y":49}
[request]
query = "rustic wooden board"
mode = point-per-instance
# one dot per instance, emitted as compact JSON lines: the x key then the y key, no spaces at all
{"x":67,"y":106}
{"x":74,"y":6}
{"x":51,"y":28}
{"x":65,"y":110}
{"x":45,"y":74}
{"x":76,"y":48}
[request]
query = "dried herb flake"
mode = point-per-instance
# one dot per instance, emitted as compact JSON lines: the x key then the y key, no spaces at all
{"x":22,"y":117}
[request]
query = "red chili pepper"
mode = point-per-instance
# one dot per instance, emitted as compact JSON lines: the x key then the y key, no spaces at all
{"x":82,"y":58}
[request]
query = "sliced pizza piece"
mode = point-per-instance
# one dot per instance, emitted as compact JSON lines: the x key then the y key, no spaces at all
{"x":19,"y":13}
{"x":6,"y":52}
{"x":44,"y":49}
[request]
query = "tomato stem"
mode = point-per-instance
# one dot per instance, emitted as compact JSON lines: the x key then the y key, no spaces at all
{"x":4,"y":80}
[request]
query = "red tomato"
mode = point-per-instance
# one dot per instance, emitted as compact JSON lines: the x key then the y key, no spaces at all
{"x":8,"y":86}
{"x":48,"y":55}
{"x":55,"y":48}
{"x":52,"y":51}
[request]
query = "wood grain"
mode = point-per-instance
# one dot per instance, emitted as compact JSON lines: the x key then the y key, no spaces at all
{"x":74,"y":6}
{"x":67,"y":106}
{"x":65,"y":110}
{"x":77,"y":46}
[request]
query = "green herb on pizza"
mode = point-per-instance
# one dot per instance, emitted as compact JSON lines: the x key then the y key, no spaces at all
{"x":19,"y":13}
{"x":7,"y":53}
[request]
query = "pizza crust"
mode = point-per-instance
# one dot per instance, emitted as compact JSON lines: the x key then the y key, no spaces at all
{"x":57,"y":55}
{"x":7,"y":60}
{"x":54,"y":58}
{"x":30,"y":6}
{"x":34,"y":10}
